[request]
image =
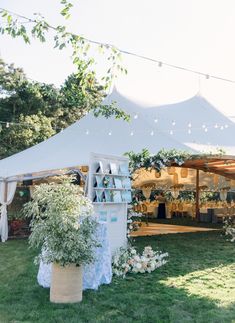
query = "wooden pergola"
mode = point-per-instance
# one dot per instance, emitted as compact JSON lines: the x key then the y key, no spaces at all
{"x":220,"y":165}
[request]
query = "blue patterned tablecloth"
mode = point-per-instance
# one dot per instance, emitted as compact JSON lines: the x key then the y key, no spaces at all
{"x":100,"y":272}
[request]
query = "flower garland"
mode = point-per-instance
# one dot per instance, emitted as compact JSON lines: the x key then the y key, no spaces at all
{"x":133,"y":222}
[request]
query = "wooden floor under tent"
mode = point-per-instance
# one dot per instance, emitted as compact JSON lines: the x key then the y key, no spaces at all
{"x":158,"y":228}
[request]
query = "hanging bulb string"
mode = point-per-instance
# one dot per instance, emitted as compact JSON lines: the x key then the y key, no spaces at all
{"x":172,"y":127}
{"x":9,"y":124}
{"x":160,"y":63}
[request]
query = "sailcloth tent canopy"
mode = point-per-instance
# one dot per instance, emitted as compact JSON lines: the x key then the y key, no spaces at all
{"x":194,"y":122}
{"x":150,"y":128}
{"x":73,"y":146}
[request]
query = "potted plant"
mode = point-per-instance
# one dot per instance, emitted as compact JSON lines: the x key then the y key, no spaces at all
{"x":63,"y":228}
{"x":18,"y":225}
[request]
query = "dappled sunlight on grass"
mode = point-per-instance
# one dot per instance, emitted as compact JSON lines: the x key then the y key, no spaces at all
{"x":216,"y":284}
{"x":196,"y":285}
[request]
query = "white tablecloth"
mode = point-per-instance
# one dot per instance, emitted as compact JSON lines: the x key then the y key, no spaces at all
{"x":100,"y":272}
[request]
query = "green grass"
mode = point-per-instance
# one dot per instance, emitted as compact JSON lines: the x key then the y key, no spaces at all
{"x":196,"y":285}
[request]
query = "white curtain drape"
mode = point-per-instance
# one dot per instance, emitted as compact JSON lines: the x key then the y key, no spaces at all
{"x":5,"y":199}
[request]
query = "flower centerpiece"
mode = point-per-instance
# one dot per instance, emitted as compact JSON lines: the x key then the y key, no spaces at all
{"x":63,"y":229}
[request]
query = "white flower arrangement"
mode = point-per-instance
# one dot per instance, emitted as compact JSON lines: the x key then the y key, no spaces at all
{"x":229,"y":228}
{"x":133,"y":220}
{"x":127,"y":260}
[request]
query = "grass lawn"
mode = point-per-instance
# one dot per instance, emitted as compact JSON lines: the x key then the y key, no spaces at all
{"x":196,"y":285}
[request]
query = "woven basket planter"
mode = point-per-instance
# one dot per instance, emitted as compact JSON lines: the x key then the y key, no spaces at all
{"x":66,"y":284}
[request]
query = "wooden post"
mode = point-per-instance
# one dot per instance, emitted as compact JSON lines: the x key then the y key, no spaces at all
{"x":197,"y":196}
{"x":5,"y":191}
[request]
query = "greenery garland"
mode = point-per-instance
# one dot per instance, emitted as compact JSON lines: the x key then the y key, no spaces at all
{"x":164,"y":158}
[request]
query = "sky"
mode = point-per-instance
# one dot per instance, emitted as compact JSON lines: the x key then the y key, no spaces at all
{"x":196,"y":34}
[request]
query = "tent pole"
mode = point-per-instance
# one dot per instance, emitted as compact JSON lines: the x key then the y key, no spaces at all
{"x":197,"y":196}
{"x":5,"y":191}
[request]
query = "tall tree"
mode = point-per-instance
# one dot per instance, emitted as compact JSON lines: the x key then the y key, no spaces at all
{"x":31,"y":112}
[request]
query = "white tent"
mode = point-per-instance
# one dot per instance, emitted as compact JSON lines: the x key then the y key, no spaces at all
{"x":72,"y":148}
{"x":149,"y":128}
{"x":194,"y":122}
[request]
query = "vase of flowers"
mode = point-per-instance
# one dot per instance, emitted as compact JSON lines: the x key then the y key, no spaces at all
{"x":63,"y":228}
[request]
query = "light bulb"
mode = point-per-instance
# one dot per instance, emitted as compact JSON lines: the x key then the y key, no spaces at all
{"x":136,"y":116}
{"x":151,"y":133}
{"x":110,"y":133}
{"x":203,"y":126}
{"x":87,"y":132}
{"x":189,"y":131}
{"x":173,"y":123}
{"x":205,"y":129}
{"x":132,"y":133}
{"x":7,"y":125}
{"x":189,"y":125}
{"x":226,"y":126}
{"x":156,"y":120}
{"x":171,"y":132}
{"x":222,"y":128}
{"x":216,"y":125}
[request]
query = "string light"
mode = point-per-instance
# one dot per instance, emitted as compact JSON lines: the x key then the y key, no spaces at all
{"x":107,"y":45}
{"x":189,"y":128}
